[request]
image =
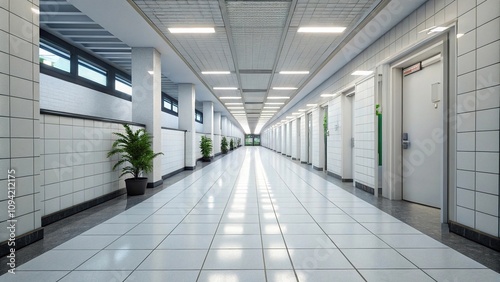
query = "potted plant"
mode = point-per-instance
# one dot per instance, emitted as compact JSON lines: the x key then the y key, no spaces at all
{"x":223,"y":145}
{"x":206,"y":148}
{"x":134,"y":148}
{"x":231,"y":144}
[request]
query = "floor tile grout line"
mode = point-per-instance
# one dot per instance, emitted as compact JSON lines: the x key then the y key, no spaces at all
{"x":133,"y":228}
{"x":279,"y":226}
{"x":391,"y":247}
{"x":241,"y":163}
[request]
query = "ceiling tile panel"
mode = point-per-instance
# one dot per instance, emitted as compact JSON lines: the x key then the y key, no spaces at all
{"x":255,"y":81}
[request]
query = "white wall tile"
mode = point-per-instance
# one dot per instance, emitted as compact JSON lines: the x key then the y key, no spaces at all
{"x":466,"y":82}
{"x":466,"y":122}
{"x":465,"y":198}
{"x":487,"y":183}
{"x":487,"y":223}
{"x":488,"y":54}
{"x":464,"y":6}
{"x":465,"y":216}
{"x":488,"y":76}
{"x":487,"y":203}
{"x":487,"y":11}
{"x":487,"y":141}
{"x":488,"y":98}
{"x":466,"y":141}
{"x":466,"y":102}
{"x":487,"y":162}
{"x":488,"y":119}
{"x":467,"y":42}
{"x":488,"y":33}
{"x":465,"y":179}
{"x":467,"y":63}
{"x":466,"y":160}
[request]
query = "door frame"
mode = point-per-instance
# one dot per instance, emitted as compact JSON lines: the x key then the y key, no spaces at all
{"x":392,"y":122}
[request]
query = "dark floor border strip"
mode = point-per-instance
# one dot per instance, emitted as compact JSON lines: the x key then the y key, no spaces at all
{"x":294,"y":159}
{"x":475,"y":235}
{"x":317,"y":168}
{"x":155,"y":184}
{"x":53,"y":217}
{"x":21,"y":241}
{"x":365,"y":188}
{"x":172,"y":173}
{"x":334,"y":175}
{"x":303,"y":162}
{"x":189,"y":167}
{"x":72,"y":115}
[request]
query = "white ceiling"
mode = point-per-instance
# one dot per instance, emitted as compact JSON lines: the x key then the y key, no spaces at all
{"x":253,"y":39}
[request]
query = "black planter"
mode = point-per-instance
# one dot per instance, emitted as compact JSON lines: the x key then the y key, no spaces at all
{"x":206,"y":159}
{"x":136,"y":186}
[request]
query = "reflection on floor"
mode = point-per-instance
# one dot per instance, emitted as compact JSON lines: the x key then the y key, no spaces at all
{"x":252,"y":216}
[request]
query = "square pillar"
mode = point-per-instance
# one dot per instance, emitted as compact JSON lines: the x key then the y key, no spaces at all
{"x":187,"y":98}
{"x":208,"y":122}
{"x":217,"y":132}
{"x":146,"y":101}
{"x":224,"y":127}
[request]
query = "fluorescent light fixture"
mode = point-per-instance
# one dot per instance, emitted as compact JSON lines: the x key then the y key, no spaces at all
{"x":327,"y":95}
{"x":294,"y":72}
{"x":302,"y":110}
{"x":438,"y":29}
{"x":191,"y":30}
{"x":275,"y":103}
{"x":311,"y":105}
{"x":460,"y":35}
{"x":360,"y":72}
{"x":295,"y":114}
{"x":229,"y":104}
{"x":236,"y":108}
{"x":229,"y":97}
{"x":269,"y":111}
{"x":225,"y":88}
{"x":237,"y":112}
{"x":271,"y":107}
{"x":151,"y":72}
{"x":290,"y":117}
{"x":277,"y":97}
{"x":284,"y":88}
{"x":284,"y":120}
{"x":35,"y":10}
{"x":216,"y":72}
{"x":322,"y":29}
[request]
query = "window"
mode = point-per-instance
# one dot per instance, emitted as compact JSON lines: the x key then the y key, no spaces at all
{"x":55,"y":57}
{"x":198,"y":116}
{"x":123,"y":85}
{"x":169,"y":104}
{"x":92,"y":72}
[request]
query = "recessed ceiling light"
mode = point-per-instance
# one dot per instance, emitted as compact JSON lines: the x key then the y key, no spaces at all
{"x":295,"y":114}
{"x":360,"y":72}
{"x":216,"y":72}
{"x":284,"y":88}
{"x":322,"y":29}
{"x":228,"y":104}
{"x":229,"y":97}
{"x":35,"y":10}
{"x":294,"y":72}
{"x":225,"y":88}
{"x":290,"y":117}
{"x":236,"y":108}
{"x":327,"y":95}
{"x":191,"y":30}
{"x":271,"y":107}
{"x":311,"y":105}
{"x":151,"y":72}
{"x":275,"y":103}
{"x":302,"y":110}
{"x":277,"y":97}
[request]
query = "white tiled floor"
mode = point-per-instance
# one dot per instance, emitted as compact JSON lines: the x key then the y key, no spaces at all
{"x":252,"y":216}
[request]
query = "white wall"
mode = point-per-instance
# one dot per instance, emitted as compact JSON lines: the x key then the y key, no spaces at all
{"x":364,"y":133}
{"x":173,"y":150}
{"x":303,"y":139}
{"x":170,"y":121}
{"x":75,"y":166}
{"x":198,"y":126}
{"x":316,"y":138}
{"x":63,"y":96}
{"x":294,"y":143}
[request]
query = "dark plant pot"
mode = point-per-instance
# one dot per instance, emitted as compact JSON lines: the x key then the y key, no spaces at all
{"x":136,"y":186}
{"x":206,"y":159}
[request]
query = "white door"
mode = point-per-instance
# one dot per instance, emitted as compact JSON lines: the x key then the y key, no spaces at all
{"x":423,"y":126}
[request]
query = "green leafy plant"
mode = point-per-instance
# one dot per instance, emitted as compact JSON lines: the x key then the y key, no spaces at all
{"x":223,"y":145}
{"x":134,"y":148}
{"x":231,"y":144}
{"x":206,"y":147}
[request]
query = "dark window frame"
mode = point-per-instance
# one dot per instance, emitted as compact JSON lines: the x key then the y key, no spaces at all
{"x":196,"y":113}
{"x":173,"y":102}
{"x":75,"y":53}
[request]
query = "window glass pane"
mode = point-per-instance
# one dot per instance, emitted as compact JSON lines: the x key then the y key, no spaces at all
{"x":123,"y":85}
{"x":91,"y":72}
{"x":167,"y":104}
{"x":174,"y":108}
{"x":54,"y":57}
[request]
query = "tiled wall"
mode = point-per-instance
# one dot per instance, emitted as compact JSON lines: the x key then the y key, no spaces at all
{"x":303,"y":139}
{"x":335,"y":138}
{"x":364,"y":133}
{"x":283,"y":138}
{"x":75,"y":166}
{"x":216,"y":143}
{"x":289,"y":139}
{"x":64,"y":96}
{"x":294,"y":143}
{"x":173,"y":150}
{"x":478,"y":115}
{"x":19,"y":113}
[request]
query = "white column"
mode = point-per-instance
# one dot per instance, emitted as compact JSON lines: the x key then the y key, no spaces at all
{"x":146,"y":102}
{"x":283,"y":139}
{"x":217,"y":132}
{"x":187,"y":98}
{"x":294,"y":140}
{"x":208,"y":121}
{"x":224,"y":127}
{"x":303,"y":140}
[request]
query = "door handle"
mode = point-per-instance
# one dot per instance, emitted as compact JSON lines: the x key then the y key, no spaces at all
{"x":405,"y":142}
